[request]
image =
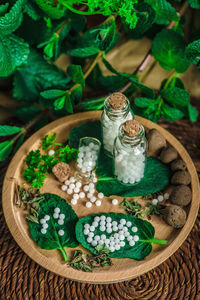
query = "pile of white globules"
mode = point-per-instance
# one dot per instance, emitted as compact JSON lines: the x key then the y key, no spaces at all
{"x":110,"y":131}
{"x":80,"y":191}
{"x":57,"y":216}
{"x":129,"y":167}
{"x":118,"y":232}
{"x":87,"y":157}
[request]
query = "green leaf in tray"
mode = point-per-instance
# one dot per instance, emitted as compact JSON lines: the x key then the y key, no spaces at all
{"x":156,"y":177}
{"x":137,"y":244}
{"x":56,"y":236}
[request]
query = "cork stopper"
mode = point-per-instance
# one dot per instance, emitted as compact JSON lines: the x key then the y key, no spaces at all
{"x":117,"y":100}
{"x":61,"y":171}
{"x":131,"y":128}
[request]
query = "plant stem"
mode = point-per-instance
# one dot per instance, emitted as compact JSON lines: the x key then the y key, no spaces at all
{"x":79,"y":12}
{"x":62,"y":250}
{"x":172,"y":75}
{"x":87,"y":73}
{"x":155,"y":241}
{"x":29,"y":125}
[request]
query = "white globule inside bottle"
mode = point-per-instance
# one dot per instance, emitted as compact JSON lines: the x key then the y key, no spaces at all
{"x":130,"y":153}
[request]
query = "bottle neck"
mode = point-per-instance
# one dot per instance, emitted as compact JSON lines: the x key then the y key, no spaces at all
{"x":128,"y":141}
{"x":116,"y":114}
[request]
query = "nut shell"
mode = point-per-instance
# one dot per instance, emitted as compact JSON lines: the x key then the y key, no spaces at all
{"x":168,"y":154}
{"x":181,"y":177}
{"x":181,"y":195}
{"x":178,"y":165}
{"x":174,"y":216}
{"x":156,"y":142}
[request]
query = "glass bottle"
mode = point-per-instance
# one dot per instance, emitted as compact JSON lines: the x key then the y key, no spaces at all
{"x":130,"y":154}
{"x":116,"y":111}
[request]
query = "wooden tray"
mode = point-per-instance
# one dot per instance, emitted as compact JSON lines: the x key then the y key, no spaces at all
{"x":122,"y":269}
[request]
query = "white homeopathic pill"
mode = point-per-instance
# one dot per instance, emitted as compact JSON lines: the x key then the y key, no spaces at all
{"x":76,"y":190}
{"x":136,"y":238}
{"x":42,"y":221}
{"x":57,"y":210}
{"x":89,"y":240}
{"x":88,"y":204}
{"x":69,"y":191}
{"x":73,"y":201}
{"x":166,"y":196}
{"x":55,"y":216}
{"x":155,"y":201}
{"x":93,"y":199}
{"x":92,"y":228}
{"x":117,"y":247}
{"x":109,"y":230}
{"x":45,"y":226}
{"x":76,"y":196}
{"x":103,"y":218}
{"x":100,"y":195}
{"x":72,"y":179}
{"x":51,"y":152}
{"x":91,"y":234}
{"x":95,"y":224}
{"x":89,"y":195}
{"x":86,"y":188}
{"x":160,"y":198}
{"x":43,"y":231}
{"x":86,"y":231}
{"x":64,"y":188}
{"x":67,"y":182}
{"x":78,"y":184}
{"x":72,"y":186}
{"x":114,"y":201}
{"x":47,"y":217}
{"x":128,"y":224}
{"x":60,"y":221}
{"x":94,"y":180}
{"x":61,"y":232}
{"x":94,"y":243}
{"x":98,"y":203}
{"x":92,"y":191}
{"x":108,"y":219}
{"x":134,"y":229}
{"x":91,"y":185}
{"x":97,"y":219}
{"x":123,"y":221}
{"x":102,"y":228}
{"x":131,"y":243}
{"x":82,"y":195}
{"x":97,"y":238}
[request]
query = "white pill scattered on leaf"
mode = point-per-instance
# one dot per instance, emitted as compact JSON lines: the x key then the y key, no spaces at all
{"x":109,"y":230}
{"x":45,"y":226}
{"x":60,"y":221}
{"x":128,"y":224}
{"x":117,"y":247}
{"x":131,"y":243}
{"x":42,"y":221}
{"x":92,"y":228}
{"x":47,"y":217}
{"x":92,"y":191}
{"x":103,"y":218}
{"x":136,"y":238}
{"x":88,"y":204}
{"x":96,"y":219}
{"x":55,"y":216}
{"x":86,"y":231}
{"x":114,"y":201}
{"x":61,"y":232}
{"x":64,"y":188}
{"x":94,"y":243}
{"x":51,"y":152}
{"x":134,"y":229}
{"x":102,"y":228}
{"x":91,"y":234}
{"x":87,"y":226}
{"x":97,"y":238}
{"x":123,"y":221}
{"x":89,"y":240}
{"x":43,"y":231}
{"x":57,"y":210}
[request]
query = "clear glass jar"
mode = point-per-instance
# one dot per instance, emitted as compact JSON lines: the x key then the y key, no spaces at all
{"x":129,"y":156}
{"x":111,"y":120}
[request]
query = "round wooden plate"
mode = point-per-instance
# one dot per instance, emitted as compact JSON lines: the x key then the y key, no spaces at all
{"x":122,"y":269}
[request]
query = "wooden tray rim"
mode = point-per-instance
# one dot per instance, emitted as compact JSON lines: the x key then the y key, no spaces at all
{"x":101,"y":277}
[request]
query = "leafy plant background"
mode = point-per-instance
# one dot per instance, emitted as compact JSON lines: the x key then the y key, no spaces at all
{"x":35,"y":34}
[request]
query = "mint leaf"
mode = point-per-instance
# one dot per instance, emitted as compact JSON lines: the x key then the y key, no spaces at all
{"x":14,"y":53}
{"x":176,"y":96}
{"x":48,"y":140}
{"x":51,"y":94}
{"x":12,"y":20}
{"x":192,"y":51}
{"x":93,"y":104}
{"x":9,"y":130}
{"x":19,"y":143}
{"x":168,"y":49}
{"x":194,"y":3}
{"x":171,"y":114}
{"x":37,"y":76}
{"x":87,"y":51}
{"x":105,"y":35}
{"x":165,"y":12}
{"x":143,"y":102}
{"x":76,"y":95}
{"x":5,"y":149}
{"x":68,"y":104}
{"x":4,"y":8}
{"x":51,"y":8}
{"x":76,"y":74}
{"x":33,"y":11}
{"x":192,"y":112}
{"x":59,"y":103}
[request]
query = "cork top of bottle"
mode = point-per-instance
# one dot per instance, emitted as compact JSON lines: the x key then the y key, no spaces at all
{"x":117,"y":100}
{"x":131,"y":128}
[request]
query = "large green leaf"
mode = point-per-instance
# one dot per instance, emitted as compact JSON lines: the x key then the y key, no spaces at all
{"x":169,"y":50}
{"x":52,"y":239}
{"x":12,"y":20}
{"x":51,"y":94}
{"x":165,"y":12}
{"x":5,"y":149}
{"x":171,"y":114}
{"x":76,"y":74}
{"x":144,"y":231}
{"x":14,"y":53}
{"x":194,"y":3}
{"x":152,"y":181}
{"x":38,"y":75}
{"x":9,"y":130}
{"x":192,"y":113}
{"x":53,"y":9}
{"x":176,"y":96}
{"x":193,"y":51}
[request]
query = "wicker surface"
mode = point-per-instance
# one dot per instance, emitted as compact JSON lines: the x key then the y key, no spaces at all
{"x":177,"y":278}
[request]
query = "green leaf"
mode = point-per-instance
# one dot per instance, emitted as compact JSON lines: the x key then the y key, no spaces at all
{"x":33,"y":11}
{"x":105,"y":35}
{"x":48,"y":140}
{"x":194,"y":3}
{"x":174,"y":82}
{"x":3,"y":9}
{"x":52,"y":240}
{"x":59,"y":103}
{"x":171,"y":114}
{"x":169,"y":50}
{"x":19,"y":143}
{"x":67,"y":154}
{"x":152,"y":181}
{"x":176,"y":96}
{"x":93,"y":104}
{"x":53,"y":9}
{"x":193,"y":51}
{"x":83,"y":52}
{"x":12,"y":20}
{"x":76,"y":74}
{"x":9,"y":130}
{"x":14,"y":53}
{"x":165,"y":12}
{"x":143,"y":102}
{"x":5,"y":149}
{"x":38,"y":75}
{"x":192,"y":112}
{"x":76,"y":95}
{"x":68,"y":104}
{"x":141,"y":248}
{"x":26,"y":113}
{"x":51,"y":94}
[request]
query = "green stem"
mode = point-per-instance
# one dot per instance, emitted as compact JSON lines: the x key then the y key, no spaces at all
{"x":76,"y":11}
{"x":107,"y":179}
{"x":172,"y":75}
{"x":155,"y":241}
{"x":62,"y":250}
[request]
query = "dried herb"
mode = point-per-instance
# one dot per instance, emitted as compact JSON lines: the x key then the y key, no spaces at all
{"x":133,"y":208}
{"x":85,"y":262}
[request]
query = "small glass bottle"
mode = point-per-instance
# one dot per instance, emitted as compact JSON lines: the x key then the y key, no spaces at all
{"x":116,"y":111}
{"x":130,"y":149}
